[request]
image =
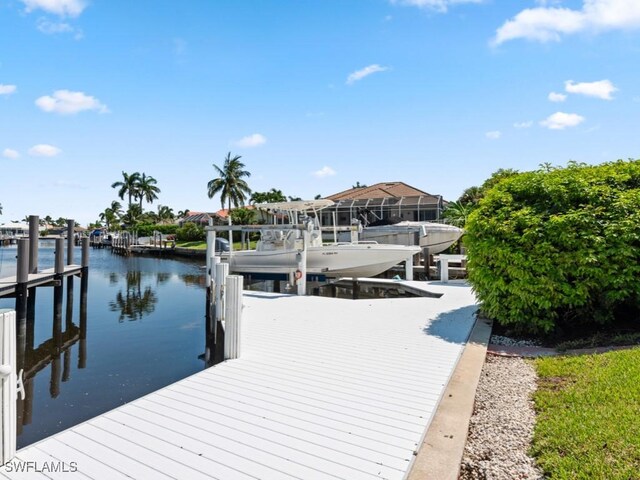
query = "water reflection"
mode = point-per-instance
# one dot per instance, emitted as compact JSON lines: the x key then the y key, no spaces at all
{"x":71,"y":374}
{"x":31,"y":359}
{"x":135,"y":302}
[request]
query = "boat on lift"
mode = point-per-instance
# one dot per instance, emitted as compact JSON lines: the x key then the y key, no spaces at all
{"x":280,"y":246}
{"x":437,"y":237}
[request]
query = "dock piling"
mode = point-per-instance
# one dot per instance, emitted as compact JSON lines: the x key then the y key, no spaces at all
{"x":233,"y":316}
{"x":85,"y":254}
{"x":222,"y":272}
{"x":70,"y":241}
{"x":34,"y":224}
{"x":59,"y":257}
{"x":22,"y":277}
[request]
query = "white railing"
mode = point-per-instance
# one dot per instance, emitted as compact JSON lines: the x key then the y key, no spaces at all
{"x":8,"y":385}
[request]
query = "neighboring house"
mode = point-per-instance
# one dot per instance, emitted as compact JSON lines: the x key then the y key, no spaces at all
{"x":199,"y":218}
{"x":13,"y":229}
{"x":383,"y":202}
{"x":202,"y":218}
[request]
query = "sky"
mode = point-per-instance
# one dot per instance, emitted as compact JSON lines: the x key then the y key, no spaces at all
{"x":314,"y":95}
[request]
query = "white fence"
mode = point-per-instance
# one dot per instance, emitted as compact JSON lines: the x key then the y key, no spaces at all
{"x":8,"y":385}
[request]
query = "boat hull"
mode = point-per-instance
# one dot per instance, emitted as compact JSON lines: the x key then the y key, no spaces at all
{"x":436,"y":237}
{"x":340,"y":260}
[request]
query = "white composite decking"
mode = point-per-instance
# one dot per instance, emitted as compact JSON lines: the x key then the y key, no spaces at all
{"x":325,"y":389}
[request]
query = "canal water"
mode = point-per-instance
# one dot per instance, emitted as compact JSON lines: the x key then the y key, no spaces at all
{"x":144,"y":329}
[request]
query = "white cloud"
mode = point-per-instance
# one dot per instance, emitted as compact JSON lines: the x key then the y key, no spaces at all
{"x":324,"y":172}
{"x":7,"y":89}
{"x":66,"y":102}
{"x":53,"y":28}
{"x":63,"y":8}
{"x":546,"y":24}
{"x":600,"y":89}
{"x":44,"y":150}
{"x":364,"y":72}
{"x":10,"y":153}
{"x":526,"y":124}
{"x":493,"y":135}
{"x":557,"y":97}
{"x":561,"y":120}
{"x":251,"y":141}
{"x":438,"y":5}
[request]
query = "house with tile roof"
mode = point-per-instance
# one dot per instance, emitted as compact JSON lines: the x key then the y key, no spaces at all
{"x":385,"y":202}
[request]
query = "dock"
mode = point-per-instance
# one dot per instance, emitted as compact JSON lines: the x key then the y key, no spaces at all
{"x":9,"y":285}
{"x":325,"y":388}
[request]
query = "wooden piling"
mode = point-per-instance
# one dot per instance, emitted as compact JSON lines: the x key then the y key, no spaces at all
{"x":82,"y":350}
{"x":85,"y":254}
{"x":22,"y":277}
{"x":426,"y":260}
{"x":59,"y":257}
{"x":34,"y":225}
{"x":70,"y":240}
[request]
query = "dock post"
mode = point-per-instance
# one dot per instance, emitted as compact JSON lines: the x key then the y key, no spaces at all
{"x":233,"y":315}
{"x":85,"y":255}
{"x":8,"y":386}
{"x":222,"y":271}
{"x":426,"y":260}
{"x":213,"y":328}
{"x":82,"y":350}
{"x":408,"y":268}
{"x":34,"y":224}
{"x":58,"y":268}
{"x":22,"y":278}
{"x":443,"y":264}
{"x":70,"y":241}
{"x":301,"y":282}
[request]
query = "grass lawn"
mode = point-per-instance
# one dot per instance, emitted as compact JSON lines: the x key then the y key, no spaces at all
{"x":588,"y":424}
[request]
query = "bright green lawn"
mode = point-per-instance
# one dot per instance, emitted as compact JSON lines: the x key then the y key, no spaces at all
{"x":588,"y":424}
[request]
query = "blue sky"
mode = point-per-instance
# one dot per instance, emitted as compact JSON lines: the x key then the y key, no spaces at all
{"x":315,"y":95}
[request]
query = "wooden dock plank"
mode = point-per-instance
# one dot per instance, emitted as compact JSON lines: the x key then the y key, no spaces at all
{"x":325,"y":388}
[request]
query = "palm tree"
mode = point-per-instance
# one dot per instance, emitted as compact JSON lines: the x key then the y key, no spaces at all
{"x":112,"y":214}
{"x":457,"y":213}
{"x":165,"y":214}
{"x":272,"y":196}
{"x":183,"y":213}
{"x":128,"y":186}
{"x":133,"y":215}
{"x":147,"y":189}
{"x":471,"y":195}
{"x":230,"y":183}
{"x":0,"y":209}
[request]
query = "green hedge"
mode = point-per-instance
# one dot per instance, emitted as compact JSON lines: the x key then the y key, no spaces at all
{"x":147,"y":229}
{"x":190,"y":232}
{"x":553,"y":250}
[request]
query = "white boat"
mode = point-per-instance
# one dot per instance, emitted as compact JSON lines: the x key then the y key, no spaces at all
{"x":280,"y":247}
{"x":437,"y":237}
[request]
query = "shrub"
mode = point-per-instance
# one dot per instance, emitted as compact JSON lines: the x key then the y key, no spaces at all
{"x":190,"y":232}
{"x":147,"y":229}
{"x":558,"y":248}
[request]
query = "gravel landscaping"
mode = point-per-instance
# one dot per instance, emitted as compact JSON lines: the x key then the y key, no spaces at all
{"x":501,"y":427}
